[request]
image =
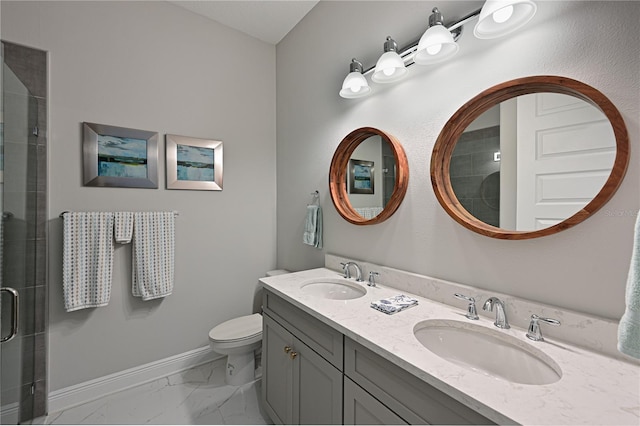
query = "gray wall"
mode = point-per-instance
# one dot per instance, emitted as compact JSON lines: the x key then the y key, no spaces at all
{"x":155,"y":66}
{"x":583,"y":268}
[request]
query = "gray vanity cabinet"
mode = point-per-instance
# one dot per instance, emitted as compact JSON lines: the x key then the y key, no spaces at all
{"x":312,"y":374}
{"x":299,"y":386}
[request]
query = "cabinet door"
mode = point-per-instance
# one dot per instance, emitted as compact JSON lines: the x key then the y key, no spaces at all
{"x":360,"y":408}
{"x":277,"y":372}
{"x":317,"y":388}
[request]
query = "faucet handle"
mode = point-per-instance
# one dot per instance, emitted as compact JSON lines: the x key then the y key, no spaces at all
{"x":372,"y":278}
{"x":345,"y":269}
{"x":472,"y":314}
{"x":534,"y":332}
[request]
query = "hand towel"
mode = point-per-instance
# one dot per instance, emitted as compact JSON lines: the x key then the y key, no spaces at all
{"x":629,"y":327}
{"x":153,"y":254}
{"x":395,"y":304}
{"x":313,"y":226}
{"x":123,"y":227}
{"x":87,"y":259}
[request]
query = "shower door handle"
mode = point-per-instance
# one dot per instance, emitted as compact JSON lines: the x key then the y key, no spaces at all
{"x":14,"y":313}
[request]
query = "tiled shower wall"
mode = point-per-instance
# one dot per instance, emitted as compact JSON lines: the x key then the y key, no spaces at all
{"x":25,"y":235}
{"x":475,"y":176}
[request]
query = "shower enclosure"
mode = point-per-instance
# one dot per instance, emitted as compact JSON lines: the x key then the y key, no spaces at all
{"x":23,"y":233}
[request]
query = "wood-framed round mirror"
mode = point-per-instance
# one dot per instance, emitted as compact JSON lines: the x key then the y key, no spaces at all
{"x":368,"y":177}
{"x":535,"y":195}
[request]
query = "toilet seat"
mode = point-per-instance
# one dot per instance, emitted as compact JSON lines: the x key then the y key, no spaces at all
{"x":242,"y":329}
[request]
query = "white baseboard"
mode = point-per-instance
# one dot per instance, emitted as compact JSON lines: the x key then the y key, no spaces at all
{"x":94,"y":389}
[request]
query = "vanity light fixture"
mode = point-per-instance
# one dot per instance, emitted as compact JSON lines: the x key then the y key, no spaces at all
{"x":438,"y":43}
{"x":390,"y":67}
{"x":502,"y":17}
{"x":355,"y":84}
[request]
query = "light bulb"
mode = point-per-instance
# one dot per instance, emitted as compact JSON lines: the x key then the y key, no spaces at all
{"x":389,"y":71}
{"x":355,"y":88}
{"x":435,"y":49}
{"x":503,"y":15}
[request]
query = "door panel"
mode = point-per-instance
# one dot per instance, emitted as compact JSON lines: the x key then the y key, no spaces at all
{"x":277,"y":371}
{"x":317,"y":388}
{"x":566,"y":149}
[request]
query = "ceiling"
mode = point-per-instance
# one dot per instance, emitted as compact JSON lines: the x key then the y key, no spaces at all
{"x":266,"y":20}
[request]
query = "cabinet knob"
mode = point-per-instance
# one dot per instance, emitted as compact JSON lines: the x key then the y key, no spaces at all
{"x":292,"y":355}
{"x":287,"y":349}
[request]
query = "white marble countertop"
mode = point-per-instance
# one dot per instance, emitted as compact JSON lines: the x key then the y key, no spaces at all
{"x":594,"y":389}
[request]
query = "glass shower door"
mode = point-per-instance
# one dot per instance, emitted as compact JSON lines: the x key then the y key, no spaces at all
{"x":22,"y":235}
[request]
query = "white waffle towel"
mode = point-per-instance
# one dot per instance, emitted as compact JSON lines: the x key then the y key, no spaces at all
{"x":123,"y":227}
{"x":153,"y":254}
{"x":87,"y":259}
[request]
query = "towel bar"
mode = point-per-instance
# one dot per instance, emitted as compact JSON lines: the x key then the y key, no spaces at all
{"x":175,"y":212}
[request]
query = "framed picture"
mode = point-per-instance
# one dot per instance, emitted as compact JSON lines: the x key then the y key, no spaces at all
{"x":120,"y":157}
{"x":360,"y":177}
{"x":193,"y":163}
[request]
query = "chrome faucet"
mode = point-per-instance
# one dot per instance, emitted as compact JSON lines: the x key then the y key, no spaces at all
{"x":501,"y":315}
{"x":372,"y":278}
{"x":534,"y":332}
{"x":347,"y":271}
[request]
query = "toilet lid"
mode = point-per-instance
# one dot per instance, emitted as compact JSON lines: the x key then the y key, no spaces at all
{"x":239,"y":328}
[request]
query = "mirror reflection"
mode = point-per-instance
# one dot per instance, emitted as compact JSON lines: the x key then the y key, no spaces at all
{"x":368,"y":176}
{"x":533,"y":161}
{"x":371,"y":176}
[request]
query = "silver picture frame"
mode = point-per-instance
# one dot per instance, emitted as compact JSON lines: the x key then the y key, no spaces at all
{"x":361,"y":177}
{"x":193,"y":163}
{"x":119,"y":157}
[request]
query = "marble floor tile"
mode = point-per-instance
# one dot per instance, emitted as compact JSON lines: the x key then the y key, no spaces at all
{"x":197,"y":396}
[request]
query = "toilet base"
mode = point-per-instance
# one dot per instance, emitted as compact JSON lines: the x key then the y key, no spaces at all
{"x":240,"y":369}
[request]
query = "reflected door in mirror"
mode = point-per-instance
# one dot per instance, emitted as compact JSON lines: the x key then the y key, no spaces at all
{"x":532,"y":161}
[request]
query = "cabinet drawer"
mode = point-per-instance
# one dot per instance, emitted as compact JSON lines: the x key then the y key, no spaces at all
{"x":412,"y":399}
{"x":318,"y":336}
{"x":360,"y":408}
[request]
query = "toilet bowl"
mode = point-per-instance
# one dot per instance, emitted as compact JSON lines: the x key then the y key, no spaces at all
{"x":239,"y":338}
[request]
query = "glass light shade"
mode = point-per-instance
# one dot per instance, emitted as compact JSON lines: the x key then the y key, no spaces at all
{"x":389,"y":68}
{"x":435,"y":45}
{"x":502,"y":17}
{"x":355,"y":86}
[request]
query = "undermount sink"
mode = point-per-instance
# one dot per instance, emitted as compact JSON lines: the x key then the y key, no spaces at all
{"x":487,"y":351}
{"x":333,"y":288}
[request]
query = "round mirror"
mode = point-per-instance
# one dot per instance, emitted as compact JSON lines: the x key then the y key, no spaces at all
{"x":368,"y":177}
{"x":530,"y":157}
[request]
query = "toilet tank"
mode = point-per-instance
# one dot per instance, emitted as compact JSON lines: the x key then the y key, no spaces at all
{"x":277,"y":272}
{"x":257,"y":297}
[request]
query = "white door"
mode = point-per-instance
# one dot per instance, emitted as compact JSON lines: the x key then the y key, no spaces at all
{"x":566,"y":149}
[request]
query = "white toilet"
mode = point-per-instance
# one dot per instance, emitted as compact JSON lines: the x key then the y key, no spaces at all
{"x":239,"y":338}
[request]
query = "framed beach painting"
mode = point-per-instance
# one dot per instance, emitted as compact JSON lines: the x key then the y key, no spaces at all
{"x":193,"y":163}
{"x":119,"y":157}
{"x":360,"y":177}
